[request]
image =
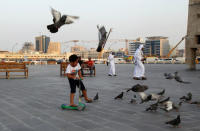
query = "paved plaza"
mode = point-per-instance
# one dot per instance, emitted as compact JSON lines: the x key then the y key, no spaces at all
{"x":33,"y":104}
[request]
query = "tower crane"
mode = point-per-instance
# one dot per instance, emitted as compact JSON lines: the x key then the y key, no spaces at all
{"x":170,"y":52}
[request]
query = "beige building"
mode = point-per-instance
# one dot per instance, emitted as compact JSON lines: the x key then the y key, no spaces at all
{"x":54,"y":48}
{"x":28,"y":47}
{"x":77,"y":48}
{"x":193,"y":33}
{"x":34,"y":56}
{"x":92,"y":53}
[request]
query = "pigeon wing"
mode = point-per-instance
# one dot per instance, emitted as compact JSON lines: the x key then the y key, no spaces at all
{"x":73,"y":17}
{"x":56,"y":15}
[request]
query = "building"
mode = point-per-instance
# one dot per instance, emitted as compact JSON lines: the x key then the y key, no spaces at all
{"x":27,"y":48}
{"x":77,"y":48}
{"x":193,"y":33}
{"x":156,"y":46}
{"x":54,"y":48}
{"x":42,"y":43}
{"x":134,"y":45}
{"x":180,"y":52}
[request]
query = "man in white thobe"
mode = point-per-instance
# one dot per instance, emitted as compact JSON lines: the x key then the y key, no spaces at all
{"x":111,"y":59}
{"x":139,"y":69}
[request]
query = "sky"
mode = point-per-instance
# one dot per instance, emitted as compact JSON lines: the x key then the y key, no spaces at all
{"x":22,"y":20}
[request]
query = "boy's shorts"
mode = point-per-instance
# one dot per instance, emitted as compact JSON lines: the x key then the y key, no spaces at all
{"x":73,"y":83}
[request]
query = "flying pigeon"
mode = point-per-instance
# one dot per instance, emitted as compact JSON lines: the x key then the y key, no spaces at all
{"x":102,"y":38}
{"x":153,"y":107}
{"x":175,"y":122}
{"x":59,"y":20}
{"x":187,"y":98}
{"x":119,"y":96}
{"x":96,"y":97}
{"x":138,"y":88}
{"x":178,"y":78}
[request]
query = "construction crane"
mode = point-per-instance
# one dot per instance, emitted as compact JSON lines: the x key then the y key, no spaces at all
{"x":170,"y":52}
{"x":126,"y":41}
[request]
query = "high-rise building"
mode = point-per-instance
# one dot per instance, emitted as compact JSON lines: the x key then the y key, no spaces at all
{"x":42,"y":43}
{"x":134,"y":45}
{"x":54,"y":48}
{"x":156,"y":46}
{"x":28,"y":47}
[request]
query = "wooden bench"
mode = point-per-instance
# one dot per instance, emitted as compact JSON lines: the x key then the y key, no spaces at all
{"x":86,"y":70}
{"x":13,"y":67}
{"x":63,"y":67}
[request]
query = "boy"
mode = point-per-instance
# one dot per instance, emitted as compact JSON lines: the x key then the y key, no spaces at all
{"x":91,"y":66}
{"x":74,"y":75}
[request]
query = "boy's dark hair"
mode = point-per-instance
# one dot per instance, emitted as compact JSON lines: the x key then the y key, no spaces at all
{"x":73,"y":58}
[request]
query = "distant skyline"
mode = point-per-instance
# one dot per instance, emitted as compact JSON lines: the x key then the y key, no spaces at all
{"x":23,"y":20}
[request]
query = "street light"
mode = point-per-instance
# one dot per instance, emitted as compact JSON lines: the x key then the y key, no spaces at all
{"x":14,"y":47}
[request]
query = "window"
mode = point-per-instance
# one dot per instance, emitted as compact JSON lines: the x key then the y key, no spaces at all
{"x":198,"y":39}
{"x":198,"y":15}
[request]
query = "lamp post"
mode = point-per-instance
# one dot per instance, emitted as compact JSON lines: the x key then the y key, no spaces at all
{"x":14,"y":47}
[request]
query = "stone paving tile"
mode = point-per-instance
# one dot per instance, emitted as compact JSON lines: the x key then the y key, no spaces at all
{"x":34,"y":103}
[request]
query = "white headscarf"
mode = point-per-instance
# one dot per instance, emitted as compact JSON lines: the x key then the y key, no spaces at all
{"x":138,"y":54}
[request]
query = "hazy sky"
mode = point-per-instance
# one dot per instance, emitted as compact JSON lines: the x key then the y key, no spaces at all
{"x":22,"y":20}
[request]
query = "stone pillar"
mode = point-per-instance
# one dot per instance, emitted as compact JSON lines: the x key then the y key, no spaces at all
{"x":193,"y":33}
{"x":191,"y":56}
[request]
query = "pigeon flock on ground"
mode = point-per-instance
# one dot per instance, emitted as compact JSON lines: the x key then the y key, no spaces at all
{"x":162,"y":102}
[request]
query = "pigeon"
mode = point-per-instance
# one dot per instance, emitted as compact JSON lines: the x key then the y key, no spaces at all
{"x":187,"y":98}
{"x":165,"y":74}
{"x":163,"y":101}
{"x":161,"y":93}
{"x":177,"y":107}
{"x":96,"y":97}
{"x":178,"y":78}
{"x":169,"y":76}
{"x":155,"y":96}
{"x":138,"y":88}
{"x":133,"y":101}
{"x":195,"y":102}
{"x":119,"y":96}
{"x":102,"y":38}
{"x":175,"y":122}
{"x":153,"y":107}
{"x":168,"y":106}
{"x":144,"y":97}
{"x":59,"y":20}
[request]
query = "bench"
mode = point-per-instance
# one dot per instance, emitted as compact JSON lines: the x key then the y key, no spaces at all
{"x":86,"y":70}
{"x":63,"y":67}
{"x":13,"y":67}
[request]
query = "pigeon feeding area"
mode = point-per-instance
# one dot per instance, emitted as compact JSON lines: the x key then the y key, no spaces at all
{"x":33,"y":104}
